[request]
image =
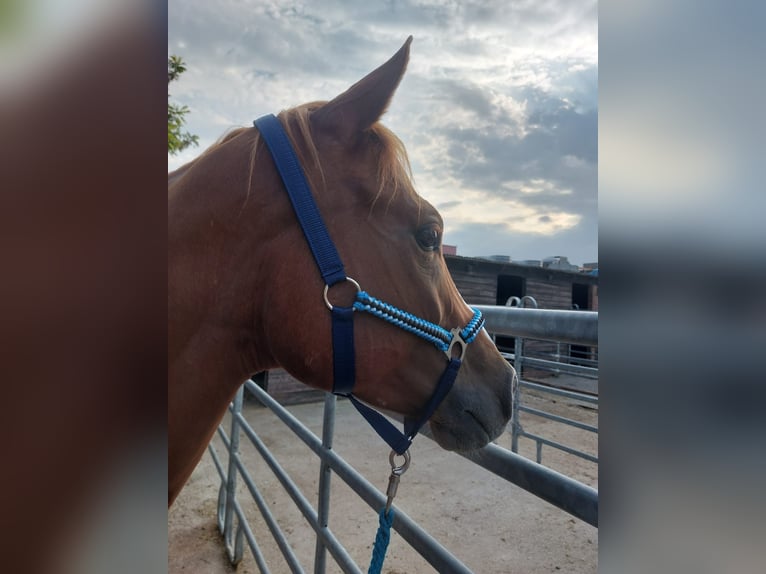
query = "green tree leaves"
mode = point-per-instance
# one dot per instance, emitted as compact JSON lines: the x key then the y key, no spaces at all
{"x":177,"y":139}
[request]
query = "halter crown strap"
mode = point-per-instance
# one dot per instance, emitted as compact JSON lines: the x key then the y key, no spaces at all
{"x":322,"y":247}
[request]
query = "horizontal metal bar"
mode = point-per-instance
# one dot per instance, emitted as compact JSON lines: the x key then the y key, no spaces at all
{"x":582,"y":361}
{"x":337,"y":550}
{"x":578,"y":327}
{"x":578,"y":370}
{"x":560,"y":392}
{"x":564,"y":492}
{"x":217,"y":462}
{"x":433,"y":552}
{"x":268,"y":517}
{"x":589,"y":372}
{"x":576,"y":498}
{"x":310,"y":514}
{"x":260,"y":560}
{"x":331,"y":542}
{"x":224,"y":438}
{"x":558,"y":445}
{"x":254,"y":548}
{"x":558,"y":418}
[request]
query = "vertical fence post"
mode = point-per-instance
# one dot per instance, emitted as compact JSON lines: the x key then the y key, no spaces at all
{"x":518,"y":364}
{"x":325,"y":472}
{"x":233,"y":549}
{"x":518,"y":350}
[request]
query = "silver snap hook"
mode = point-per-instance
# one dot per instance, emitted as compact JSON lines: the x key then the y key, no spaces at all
{"x":399,"y":469}
{"x":396,"y":472}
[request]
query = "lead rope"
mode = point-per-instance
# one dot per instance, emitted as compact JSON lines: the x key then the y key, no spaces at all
{"x":386,"y":516}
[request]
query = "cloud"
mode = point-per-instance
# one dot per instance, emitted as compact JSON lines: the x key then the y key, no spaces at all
{"x":546,"y":160}
{"x":498,"y":109}
{"x":514,"y":215}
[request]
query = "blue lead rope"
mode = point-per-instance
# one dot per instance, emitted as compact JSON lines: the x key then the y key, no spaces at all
{"x":382,"y":538}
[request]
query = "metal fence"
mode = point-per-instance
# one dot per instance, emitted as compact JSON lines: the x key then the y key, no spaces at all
{"x":566,"y":493}
{"x":576,"y":355}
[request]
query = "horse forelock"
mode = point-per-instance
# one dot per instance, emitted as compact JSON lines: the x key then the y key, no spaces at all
{"x":298,"y":119}
{"x":394,"y":169}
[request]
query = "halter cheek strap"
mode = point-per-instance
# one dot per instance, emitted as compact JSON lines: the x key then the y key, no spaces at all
{"x":332,"y":271}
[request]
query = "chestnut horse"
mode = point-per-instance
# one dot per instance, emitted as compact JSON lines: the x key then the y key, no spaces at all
{"x":244,"y":294}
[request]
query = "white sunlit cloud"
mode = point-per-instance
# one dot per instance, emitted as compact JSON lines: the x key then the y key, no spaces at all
{"x":460,"y":206}
{"x":475,"y":207}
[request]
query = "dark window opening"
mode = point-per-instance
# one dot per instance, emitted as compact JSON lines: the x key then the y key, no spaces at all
{"x":581,"y":302}
{"x":508,"y":286}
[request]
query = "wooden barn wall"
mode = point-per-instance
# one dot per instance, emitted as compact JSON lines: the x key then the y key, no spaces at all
{"x":550,"y":294}
{"x":478,"y":289}
{"x":477,"y":279}
{"x":481,"y":289}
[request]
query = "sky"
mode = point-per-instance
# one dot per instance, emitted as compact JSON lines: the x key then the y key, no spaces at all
{"x":498,"y":109}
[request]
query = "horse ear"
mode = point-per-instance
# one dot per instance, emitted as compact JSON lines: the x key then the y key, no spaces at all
{"x":356,"y":109}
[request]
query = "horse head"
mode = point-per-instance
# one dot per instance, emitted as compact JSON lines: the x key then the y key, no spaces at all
{"x":389,"y":239}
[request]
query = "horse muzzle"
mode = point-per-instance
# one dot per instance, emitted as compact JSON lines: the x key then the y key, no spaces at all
{"x":472,"y":415}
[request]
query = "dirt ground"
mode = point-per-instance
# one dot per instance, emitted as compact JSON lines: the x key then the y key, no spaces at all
{"x":491,"y":525}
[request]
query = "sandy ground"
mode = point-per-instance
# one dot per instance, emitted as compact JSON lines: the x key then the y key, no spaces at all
{"x":489,"y":524}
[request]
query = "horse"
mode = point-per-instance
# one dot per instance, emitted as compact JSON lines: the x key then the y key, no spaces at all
{"x":244,"y":294}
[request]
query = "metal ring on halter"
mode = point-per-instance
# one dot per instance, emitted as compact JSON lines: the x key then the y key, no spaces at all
{"x":327,"y":290}
{"x":399,"y":469}
{"x":457,"y":339}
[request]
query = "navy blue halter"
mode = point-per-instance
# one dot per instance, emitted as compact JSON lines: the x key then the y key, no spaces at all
{"x":333,"y":272}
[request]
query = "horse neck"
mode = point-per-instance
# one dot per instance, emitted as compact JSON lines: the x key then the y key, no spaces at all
{"x":219,"y":238}
{"x":218,"y":243}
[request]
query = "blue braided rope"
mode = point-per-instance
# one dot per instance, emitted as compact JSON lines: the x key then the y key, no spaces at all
{"x":382,"y":539}
{"x":431,"y":332}
{"x":415,"y":325}
{"x":409,"y":318}
{"x":472,"y":329}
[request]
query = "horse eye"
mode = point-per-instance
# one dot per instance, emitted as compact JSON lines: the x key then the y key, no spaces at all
{"x":428,"y":238}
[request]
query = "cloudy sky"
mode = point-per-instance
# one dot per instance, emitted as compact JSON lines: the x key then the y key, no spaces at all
{"x":498,"y":109}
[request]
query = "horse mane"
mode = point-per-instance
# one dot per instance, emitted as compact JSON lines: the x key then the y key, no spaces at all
{"x":228,"y":136}
{"x":394,"y":169}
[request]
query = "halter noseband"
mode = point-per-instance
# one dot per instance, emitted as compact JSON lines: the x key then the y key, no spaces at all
{"x":332,"y":271}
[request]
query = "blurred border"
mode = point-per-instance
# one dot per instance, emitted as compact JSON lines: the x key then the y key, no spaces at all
{"x":682,"y":286}
{"x":682,"y":274}
{"x":83,"y":286}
